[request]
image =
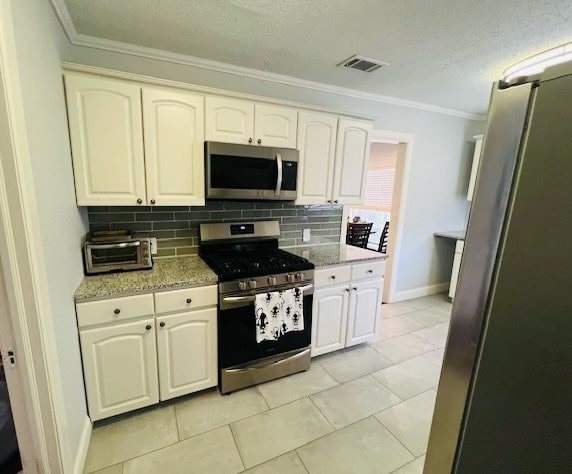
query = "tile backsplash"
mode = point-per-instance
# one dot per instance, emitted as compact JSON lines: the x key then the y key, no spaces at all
{"x":177,"y":227}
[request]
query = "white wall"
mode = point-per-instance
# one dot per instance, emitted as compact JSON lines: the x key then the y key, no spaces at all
{"x":383,"y":155}
{"x":62,"y":224}
{"x":441,"y":159}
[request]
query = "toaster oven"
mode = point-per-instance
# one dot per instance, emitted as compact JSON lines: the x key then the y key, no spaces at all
{"x":116,"y":252}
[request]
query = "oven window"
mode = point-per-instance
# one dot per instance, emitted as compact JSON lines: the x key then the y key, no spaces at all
{"x":237,"y":172}
{"x":123,"y":255}
{"x":237,"y":336}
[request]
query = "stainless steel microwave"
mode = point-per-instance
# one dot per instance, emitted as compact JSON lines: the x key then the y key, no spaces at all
{"x":116,"y":254}
{"x":250,"y":172}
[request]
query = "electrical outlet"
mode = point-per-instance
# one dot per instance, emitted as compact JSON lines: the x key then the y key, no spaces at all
{"x":153,"y":246}
{"x":306,"y":235}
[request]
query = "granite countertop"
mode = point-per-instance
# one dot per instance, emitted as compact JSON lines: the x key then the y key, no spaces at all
{"x":334,"y":254}
{"x":166,"y":274}
{"x":452,"y":234}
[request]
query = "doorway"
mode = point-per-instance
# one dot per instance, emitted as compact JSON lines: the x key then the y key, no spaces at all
{"x":385,"y":191}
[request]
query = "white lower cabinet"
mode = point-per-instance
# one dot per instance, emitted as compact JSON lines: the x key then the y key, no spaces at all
{"x":145,"y":357}
{"x":329,"y":320}
{"x":187,"y":352}
{"x":456,"y":268}
{"x":120,"y":367}
{"x":364,"y":312}
{"x":346,"y":314}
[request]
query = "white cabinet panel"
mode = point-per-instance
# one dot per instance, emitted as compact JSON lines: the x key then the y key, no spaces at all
{"x":173,"y":123}
{"x":187,"y":352}
{"x":114,"y":310}
{"x":317,"y":146}
{"x":106,"y":141}
{"x":229,"y":120}
{"x":275,"y":126}
{"x":352,"y":154}
{"x":329,"y":319}
{"x":120,"y":367}
{"x":186,"y":299}
{"x":456,"y":267}
{"x":332,"y":275}
{"x":475,"y":166}
{"x":365,"y":311}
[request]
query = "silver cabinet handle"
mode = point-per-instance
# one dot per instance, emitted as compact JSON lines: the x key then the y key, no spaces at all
{"x":279,"y":178}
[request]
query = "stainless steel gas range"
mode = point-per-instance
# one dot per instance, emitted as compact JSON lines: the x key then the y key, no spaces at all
{"x":248,"y":262}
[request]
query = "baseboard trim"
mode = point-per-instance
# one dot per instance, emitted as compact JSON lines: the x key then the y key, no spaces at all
{"x":81,"y":455}
{"x":419,"y":292}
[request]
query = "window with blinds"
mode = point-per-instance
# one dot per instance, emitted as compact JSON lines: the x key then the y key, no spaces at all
{"x":379,"y":188}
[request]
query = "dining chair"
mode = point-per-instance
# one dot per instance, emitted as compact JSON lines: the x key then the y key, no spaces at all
{"x":383,"y":239}
{"x":358,"y":234}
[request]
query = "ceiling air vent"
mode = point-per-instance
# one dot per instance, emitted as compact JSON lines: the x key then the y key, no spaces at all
{"x":362,"y":64}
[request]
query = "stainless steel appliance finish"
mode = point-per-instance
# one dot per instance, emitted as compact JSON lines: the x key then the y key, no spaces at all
{"x":263,"y":370}
{"x":121,"y":253}
{"x":250,"y":172}
{"x":500,"y":403}
{"x":248,"y":262}
{"x":222,"y":231}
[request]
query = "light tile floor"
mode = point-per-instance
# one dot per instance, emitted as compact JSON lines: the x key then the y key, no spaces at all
{"x":363,"y":409}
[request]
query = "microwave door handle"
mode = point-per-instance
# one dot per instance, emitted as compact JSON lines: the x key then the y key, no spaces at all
{"x":279,"y":178}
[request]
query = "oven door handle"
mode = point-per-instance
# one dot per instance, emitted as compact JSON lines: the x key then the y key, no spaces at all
{"x":235,"y":301}
{"x":239,"y":299}
{"x":114,"y":246}
{"x":279,"y":178}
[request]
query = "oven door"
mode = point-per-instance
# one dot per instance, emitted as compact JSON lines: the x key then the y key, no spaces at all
{"x":237,"y":330}
{"x":101,"y":258}
{"x":250,"y":172}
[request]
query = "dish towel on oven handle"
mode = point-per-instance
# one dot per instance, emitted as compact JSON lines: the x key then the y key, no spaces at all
{"x":278,"y":312}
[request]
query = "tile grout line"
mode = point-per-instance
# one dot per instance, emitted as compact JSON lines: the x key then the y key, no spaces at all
{"x":396,"y":438}
{"x":237,"y":448}
{"x":322,"y":413}
{"x":301,"y":460}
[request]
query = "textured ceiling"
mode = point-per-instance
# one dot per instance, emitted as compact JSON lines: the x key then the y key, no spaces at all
{"x":444,"y":53}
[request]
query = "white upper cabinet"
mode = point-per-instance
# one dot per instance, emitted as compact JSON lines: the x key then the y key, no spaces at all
{"x":106,"y":140}
{"x":352,"y":154}
{"x":120,"y":367}
{"x":364,"y":312}
{"x":173,"y":125}
{"x":475,"y":166}
{"x":187,"y":352}
{"x":317,"y":146}
{"x":275,"y":126}
{"x":229,"y":120}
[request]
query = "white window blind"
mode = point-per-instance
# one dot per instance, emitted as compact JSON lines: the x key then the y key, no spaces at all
{"x":379,"y":188}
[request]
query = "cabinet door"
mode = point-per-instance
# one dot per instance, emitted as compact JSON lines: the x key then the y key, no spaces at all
{"x":120,"y":367}
{"x":329,"y":319}
{"x":455,"y":274}
{"x":365,"y":311}
{"x":229,"y":120}
{"x":352,"y":155}
{"x":475,"y":166}
{"x":275,"y":126}
{"x":106,"y":140}
{"x":187,"y":352}
{"x":317,"y":145}
{"x":173,"y":123}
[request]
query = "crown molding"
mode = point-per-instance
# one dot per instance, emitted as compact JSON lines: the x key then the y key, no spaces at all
{"x":78,"y":39}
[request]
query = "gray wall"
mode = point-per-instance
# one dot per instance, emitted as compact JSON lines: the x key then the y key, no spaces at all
{"x":177,"y":228}
{"x":441,"y":156}
{"x":61,"y":223}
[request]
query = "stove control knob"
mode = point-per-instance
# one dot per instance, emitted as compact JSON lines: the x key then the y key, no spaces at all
{"x":272,"y":280}
{"x":242,"y":285}
{"x":299,"y":276}
{"x":252,"y":284}
{"x":290,"y":278}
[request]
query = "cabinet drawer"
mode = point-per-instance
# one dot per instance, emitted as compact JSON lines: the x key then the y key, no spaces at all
{"x":367,"y":270}
{"x":189,"y":298}
{"x":332,"y":275}
{"x":116,"y":309}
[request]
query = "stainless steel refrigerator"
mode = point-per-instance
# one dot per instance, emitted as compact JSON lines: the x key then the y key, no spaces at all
{"x":504,"y":402}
